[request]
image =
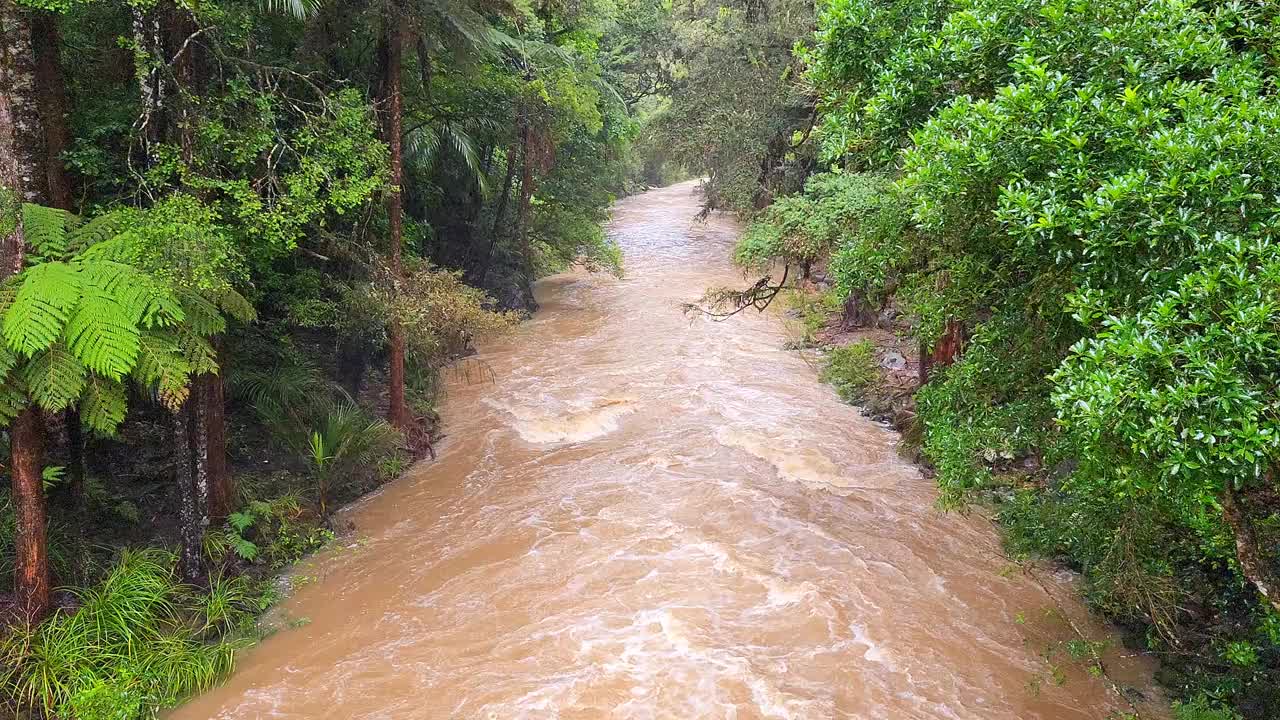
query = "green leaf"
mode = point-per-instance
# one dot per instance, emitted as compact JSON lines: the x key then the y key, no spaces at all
{"x":102,"y":228}
{"x":103,"y":333}
{"x":163,"y":368}
{"x":202,"y":315}
{"x":240,"y":521}
{"x":13,"y":398}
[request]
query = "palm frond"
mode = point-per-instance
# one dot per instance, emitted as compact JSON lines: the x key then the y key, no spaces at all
{"x":427,"y":144}
{"x":300,"y":9}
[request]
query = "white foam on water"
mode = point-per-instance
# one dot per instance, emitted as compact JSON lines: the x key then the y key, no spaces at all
{"x":597,"y":419}
{"x":794,"y":461}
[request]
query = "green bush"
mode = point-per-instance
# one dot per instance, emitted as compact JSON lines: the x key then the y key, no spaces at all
{"x":803,"y":229}
{"x":1090,"y":191}
{"x":852,"y":369}
{"x":1201,"y":708}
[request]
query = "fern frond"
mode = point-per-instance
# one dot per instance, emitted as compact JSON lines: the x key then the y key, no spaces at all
{"x":197,"y":350}
{"x":55,"y":378}
{"x":8,"y":359}
{"x":97,"y":231}
{"x":8,"y":293}
{"x":146,"y":302}
{"x":164,"y":369}
{"x":13,"y":397}
{"x":103,"y":405}
{"x":202,"y":314}
{"x":45,"y":232}
{"x":122,"y":248}
{"x":103,"y":333}
{"x":42,"y":306}
{"x":237,"y":306}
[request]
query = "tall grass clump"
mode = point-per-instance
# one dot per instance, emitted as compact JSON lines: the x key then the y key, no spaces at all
{"x":140,"y":640}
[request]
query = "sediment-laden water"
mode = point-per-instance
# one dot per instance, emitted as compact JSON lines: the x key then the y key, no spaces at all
{"x":640,"y":514}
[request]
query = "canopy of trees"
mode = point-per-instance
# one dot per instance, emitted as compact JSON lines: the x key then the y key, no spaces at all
{"x":1072,"y":207}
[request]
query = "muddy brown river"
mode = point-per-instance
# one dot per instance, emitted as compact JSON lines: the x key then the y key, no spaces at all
{"x":639,"y":514}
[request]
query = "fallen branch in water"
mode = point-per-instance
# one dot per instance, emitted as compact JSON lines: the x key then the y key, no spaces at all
{"x":725,"y":303}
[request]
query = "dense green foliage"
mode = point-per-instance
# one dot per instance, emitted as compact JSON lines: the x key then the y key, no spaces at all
{"x":206,"y":283}
{"x":737,"y":110}
{"x":1070,"y":205}
{"x":1083,"y":196}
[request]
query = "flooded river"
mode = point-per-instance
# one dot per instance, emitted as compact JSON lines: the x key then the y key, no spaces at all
{"x":638,"y":514}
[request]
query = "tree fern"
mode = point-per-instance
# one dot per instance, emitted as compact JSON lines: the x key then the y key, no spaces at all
{"x":8,"y":293}
{"x":95,"y":233}
{"x":202,"y":314}
{"x":45,"y":232}
{"x":197,"y":350}
{"x":92,"y":310}
{"x":103,"y":405}
{"x":103,"y":334}
{"x":13,"y":397}
{"x":236,"y":306}
{"x":8,"y":359}
{"x":163,"y":369}
{"x":55,"y":378}
{"x":145,"y":301}
{"x":44,"y":301}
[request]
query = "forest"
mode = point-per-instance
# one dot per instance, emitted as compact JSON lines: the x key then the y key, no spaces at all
{"x":242,"y":240}
{"x":245,"y":241}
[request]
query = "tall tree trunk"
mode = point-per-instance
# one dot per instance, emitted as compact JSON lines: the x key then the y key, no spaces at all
{"x":23,"y":173}
{"x":397,"y":409}
{"x":203,"y":482}
{"x":51,"y":88}
{"x":500,"y":213}
{"x":31,"y":581}
{"x":193,"y":512}
{"x":25,"y":145}
{"x":526,"y":192}
{"x":221,"y":484}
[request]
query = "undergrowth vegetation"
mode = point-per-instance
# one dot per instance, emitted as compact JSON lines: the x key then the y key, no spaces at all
{"x":851,"y":369}
{"x":139,"y":640}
